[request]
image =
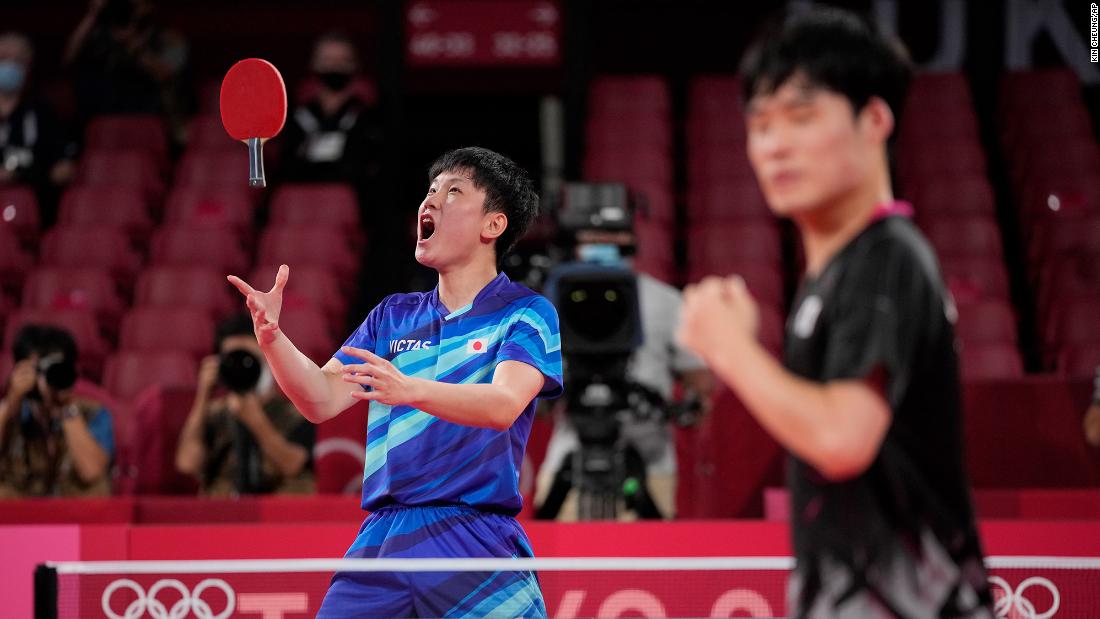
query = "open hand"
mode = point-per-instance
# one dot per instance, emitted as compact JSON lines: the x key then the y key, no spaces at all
{"x":265,"y":306}
{"x":388,"y":384}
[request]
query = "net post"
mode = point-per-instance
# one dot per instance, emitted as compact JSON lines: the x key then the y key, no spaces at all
{"x":45,"y":592}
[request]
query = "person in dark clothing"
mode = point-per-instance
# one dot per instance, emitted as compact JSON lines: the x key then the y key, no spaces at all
{"x":331,"y":137}
{"x":34,"y":144}
{"x":53,"y":442}
{"x":124,"y":62}
{"x":249,"y":439}
{"x":867,"y":397}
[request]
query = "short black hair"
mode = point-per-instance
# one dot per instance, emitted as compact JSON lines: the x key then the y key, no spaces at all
{"x":508,"y":189}
{"x":43,"y":340}
{"x":236,"y":324}
{"x":835,"y":49}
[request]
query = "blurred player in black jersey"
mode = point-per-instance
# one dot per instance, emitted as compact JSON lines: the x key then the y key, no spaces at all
{"x":867,"y":398}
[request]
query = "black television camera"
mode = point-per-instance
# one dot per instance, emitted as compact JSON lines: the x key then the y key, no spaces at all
{"x":598,"y":309}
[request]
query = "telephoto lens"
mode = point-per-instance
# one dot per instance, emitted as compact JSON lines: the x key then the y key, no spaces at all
{"x":60,"y":372}
{"x":239,"y":371}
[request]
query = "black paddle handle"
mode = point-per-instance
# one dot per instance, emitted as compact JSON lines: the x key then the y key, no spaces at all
{"x":256,"y":163}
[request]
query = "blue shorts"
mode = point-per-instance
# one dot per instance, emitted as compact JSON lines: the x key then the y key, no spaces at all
{"x":436,"y":532}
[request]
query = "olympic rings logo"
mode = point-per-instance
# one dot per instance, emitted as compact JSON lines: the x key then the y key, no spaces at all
{"x":1008,"y":599}
{"x":189,"y":600}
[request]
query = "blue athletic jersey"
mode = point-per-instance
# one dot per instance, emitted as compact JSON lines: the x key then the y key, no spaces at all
{"x":413,"y":458}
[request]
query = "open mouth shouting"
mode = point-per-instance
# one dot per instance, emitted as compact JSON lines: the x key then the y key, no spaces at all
{"x":427,"y":227}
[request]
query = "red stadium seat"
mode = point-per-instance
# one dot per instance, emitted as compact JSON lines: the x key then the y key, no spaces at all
{"x":975,"y":278}
{"x":654,"y":202}
{"x":1037,"y":124}
{"x":215,"y":168}
{"x":764,"y":280}
{"x":724,"y":200}
{"x":1074,"y":323}
{"x":307,"y":327}
{"x":924,"y":126}
{"x":719,"y":163}
{"x":213,"y":247}
{"x":771,"y":328}
{"x":1079,"y":361}
{"x":965,"y":236}
{"x":654,"y":251}
{"x":339,"y":451}
{"x":308,"y":246}
{"x":121,"y":205}
{"x":185,"y":329}
{"x":81,"y":323}
{"x":144,"y":132}
{"x":949,"y":158}
{"x":74,"y":288}
{"x":208,"y":134}
{"x":986,"y":322}
{"x":609,"y":93}
{"x":128,"y":373}
{"x":314,"y":286}
{"x":628,"y":165}
{"x":1073,"y":155}
{"x":321,"y":204}
{"x":954,"y":196}
{"x":19,"y":212}
{"x":638,"y":129}
{"x":14,"y":261}
{"x":1039,"y":87}
{"x":122,"y":167}
{"x":715,"y":95}
{"x":1061,"y":237}
{"x":210,"y":207}
{"x":1058,"y":195}
{"x":722,"y":245}
{"x":995,"y":361}
{"x":91,"y":246}
{"x":1068,"y":277}
{"x":186,"y":286}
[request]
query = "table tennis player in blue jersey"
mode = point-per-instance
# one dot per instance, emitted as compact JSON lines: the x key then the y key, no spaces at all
{"x":452,"y":377}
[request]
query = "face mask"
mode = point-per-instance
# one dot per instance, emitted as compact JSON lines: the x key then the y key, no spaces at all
{"x":601,"y":253}
{"x":11,"y":76}
{"x":334,"y":80}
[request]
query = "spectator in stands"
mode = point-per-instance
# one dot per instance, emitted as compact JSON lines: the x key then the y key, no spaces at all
{"x":127,"y":63}
{"x":249,"y":440}
{"x":655,"y":365}
{"x":1092,"y":415}
{"x":52,"y":442}
{"x":33,"y":143}
{"x":329,"y":138}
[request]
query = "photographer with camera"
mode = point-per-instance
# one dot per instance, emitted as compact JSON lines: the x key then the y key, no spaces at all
{"x":250,"y":440}
{"x":52,"y":443}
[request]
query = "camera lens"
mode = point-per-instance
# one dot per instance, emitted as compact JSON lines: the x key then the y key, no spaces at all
{"x":239,"y":371}
{"x":60,"y":373}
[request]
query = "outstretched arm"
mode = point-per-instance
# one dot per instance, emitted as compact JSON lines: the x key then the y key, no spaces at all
{"x":318,"y":393}
{"x":495,"y":405}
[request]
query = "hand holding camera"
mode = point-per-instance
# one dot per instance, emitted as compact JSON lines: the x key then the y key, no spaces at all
{"x":24,"y":377}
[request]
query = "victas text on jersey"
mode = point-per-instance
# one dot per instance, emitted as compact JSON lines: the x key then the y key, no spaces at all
{"x":403,"y":345}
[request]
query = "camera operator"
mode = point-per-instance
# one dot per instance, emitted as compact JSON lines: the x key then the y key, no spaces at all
{"x":249,"y":440}
{"x":52,"y":443}
{"x":655,"y":365}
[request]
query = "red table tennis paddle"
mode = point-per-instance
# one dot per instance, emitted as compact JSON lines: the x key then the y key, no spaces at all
{"x":253,"y":107}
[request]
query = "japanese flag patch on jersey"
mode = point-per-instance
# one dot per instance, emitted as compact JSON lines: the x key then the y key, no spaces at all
{"x":477,"y":345}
